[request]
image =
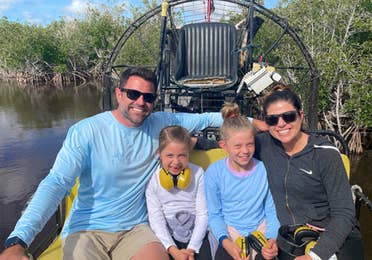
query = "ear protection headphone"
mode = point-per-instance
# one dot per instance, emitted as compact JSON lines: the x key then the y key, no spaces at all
{"x":169,"y":181}
{"x":309,"y":246}
{"x":256,"y":240}
{"x":304,"y":234}
{"x":295,"y":241}
{"x":242,"y":242}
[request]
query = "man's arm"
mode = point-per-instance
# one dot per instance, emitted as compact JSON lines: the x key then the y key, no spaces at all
{"x":202,"y":143}
{"x":16,"y":252}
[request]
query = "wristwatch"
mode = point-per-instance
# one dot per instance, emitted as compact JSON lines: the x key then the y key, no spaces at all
{"x":12,"y":241}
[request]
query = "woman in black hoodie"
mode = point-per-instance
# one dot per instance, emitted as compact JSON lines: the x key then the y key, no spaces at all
{"x":307,"y":180}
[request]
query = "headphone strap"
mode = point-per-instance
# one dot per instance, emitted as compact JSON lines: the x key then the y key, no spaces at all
{"x":174,"y":178}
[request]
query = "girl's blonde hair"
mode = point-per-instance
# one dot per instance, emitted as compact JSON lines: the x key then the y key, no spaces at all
{"x":233,"y":120}
{"x":174,"y":133}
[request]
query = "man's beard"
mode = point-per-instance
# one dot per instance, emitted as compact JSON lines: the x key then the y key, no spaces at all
{"x":138,"y":120}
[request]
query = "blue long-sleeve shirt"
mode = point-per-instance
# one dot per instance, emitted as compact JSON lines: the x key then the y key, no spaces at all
{"x":113,"y":163}
{"x":242,"y":202}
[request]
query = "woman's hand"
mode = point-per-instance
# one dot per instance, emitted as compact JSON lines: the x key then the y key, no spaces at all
{"x":304,"y":257}
{"x":270,"y":250}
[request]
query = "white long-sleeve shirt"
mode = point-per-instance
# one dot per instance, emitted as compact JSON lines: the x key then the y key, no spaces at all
{"x":163,"y":205}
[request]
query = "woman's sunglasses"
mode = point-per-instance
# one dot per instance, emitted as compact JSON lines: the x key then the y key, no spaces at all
{"x":288,"y":117}
{"x":135,"y":94}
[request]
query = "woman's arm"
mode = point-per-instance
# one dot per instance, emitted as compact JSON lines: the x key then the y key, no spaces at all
{"x":342,"y":211}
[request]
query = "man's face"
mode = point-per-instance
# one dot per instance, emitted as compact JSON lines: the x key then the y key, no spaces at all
{"x":133,"y":107}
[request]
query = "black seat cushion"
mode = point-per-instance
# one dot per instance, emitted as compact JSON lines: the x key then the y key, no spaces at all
{"x":205,"y":55}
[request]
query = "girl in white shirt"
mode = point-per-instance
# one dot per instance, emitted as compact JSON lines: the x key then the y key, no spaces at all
{"x":176,"y":200}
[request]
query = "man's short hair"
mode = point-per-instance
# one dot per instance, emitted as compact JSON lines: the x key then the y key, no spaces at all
{"x":141,"y":72}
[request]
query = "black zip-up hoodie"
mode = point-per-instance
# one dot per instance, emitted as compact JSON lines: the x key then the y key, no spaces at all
{"x":310,"y":187}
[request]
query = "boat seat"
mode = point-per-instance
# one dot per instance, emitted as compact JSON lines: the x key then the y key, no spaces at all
{"x":346,"y":161}
{"x":204,"y":57}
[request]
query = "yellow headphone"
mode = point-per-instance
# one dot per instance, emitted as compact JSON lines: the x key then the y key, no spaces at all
{"x":169,"y":181}
{"x":306,"y":234}
{"x":243,"y":244}
{"x":256,"y":240}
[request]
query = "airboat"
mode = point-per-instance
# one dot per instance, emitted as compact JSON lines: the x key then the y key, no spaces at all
{"x":206,"y":52}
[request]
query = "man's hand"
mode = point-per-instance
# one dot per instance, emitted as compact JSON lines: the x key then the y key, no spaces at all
{"x":260,"y":125}
{"x":16,"y":252}
{"x":270,"y":250}
{"x":203,"y":143}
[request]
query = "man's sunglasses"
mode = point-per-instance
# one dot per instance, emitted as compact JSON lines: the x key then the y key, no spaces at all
{"x":288,"y":117}
{"x":135,"y":94}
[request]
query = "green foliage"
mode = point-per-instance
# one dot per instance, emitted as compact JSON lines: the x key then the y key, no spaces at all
{"x":338,"y":36}
{"x":12,"y":40}
{"x":142,"y":47}
{"x":62,"y":45}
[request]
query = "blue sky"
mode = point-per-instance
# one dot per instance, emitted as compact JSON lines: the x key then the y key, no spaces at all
{"x":45,"y":11}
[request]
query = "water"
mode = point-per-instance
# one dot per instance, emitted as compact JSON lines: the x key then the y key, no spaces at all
{"x":33,"y":125}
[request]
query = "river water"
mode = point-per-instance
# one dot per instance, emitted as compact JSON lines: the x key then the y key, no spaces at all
{"x":33,"y":125}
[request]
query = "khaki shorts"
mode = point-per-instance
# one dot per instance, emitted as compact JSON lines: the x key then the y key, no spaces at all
{"x":102,"y":245}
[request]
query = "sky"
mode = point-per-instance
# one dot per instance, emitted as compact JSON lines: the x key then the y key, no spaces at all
{"x":42,"y":12}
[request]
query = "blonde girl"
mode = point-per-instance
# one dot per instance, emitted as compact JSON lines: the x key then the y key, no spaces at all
{"x":238,"y":197}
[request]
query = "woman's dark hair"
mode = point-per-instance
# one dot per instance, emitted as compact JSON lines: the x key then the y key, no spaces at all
{"x":141,"y":72}
{"x":281,"y":92}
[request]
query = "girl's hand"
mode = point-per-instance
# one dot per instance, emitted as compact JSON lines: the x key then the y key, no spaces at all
{"x":178,"y":254}
{"x":270,"y":250}
{"x":232,"y":248}
{"x":190,"y":253}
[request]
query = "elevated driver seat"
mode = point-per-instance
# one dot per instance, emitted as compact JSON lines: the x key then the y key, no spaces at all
{"x":204,"y":57}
